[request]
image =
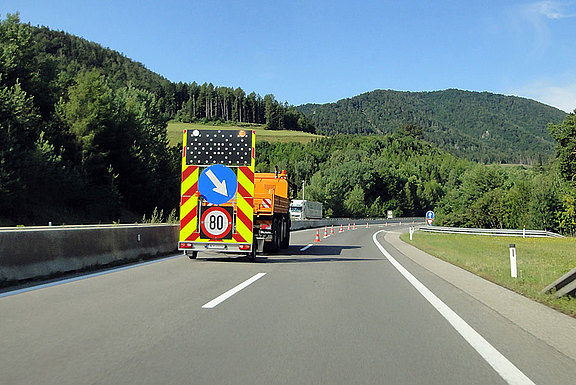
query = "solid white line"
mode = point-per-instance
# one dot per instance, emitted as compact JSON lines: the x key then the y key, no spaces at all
{"x":510,"y":373}
{"x":216,"y":301}
{"x":306,"y":247}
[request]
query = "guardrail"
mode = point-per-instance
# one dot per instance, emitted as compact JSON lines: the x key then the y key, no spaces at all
{"x":492,"y":232}
{"x":314,"y":223}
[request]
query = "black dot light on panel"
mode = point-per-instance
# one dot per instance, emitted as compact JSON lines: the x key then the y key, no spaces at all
{"x":228,"y":147}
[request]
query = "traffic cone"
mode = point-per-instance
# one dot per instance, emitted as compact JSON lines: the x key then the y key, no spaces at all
{"x":332,"y":230}
{"x":354,"y":228}
{"x":317,"y":236}
{"x":348,"y":226}
{"x":367,"y":226}
{"x":341,"y":228}
{"x":325,"y":231}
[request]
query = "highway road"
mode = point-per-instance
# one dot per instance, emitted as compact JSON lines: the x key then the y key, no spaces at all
{"x":350,"y":309}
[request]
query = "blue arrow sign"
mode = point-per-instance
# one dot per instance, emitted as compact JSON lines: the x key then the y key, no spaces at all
{"x":217,"y":184}
{"x":430,"y":215}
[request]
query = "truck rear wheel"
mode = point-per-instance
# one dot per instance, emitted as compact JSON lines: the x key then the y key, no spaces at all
{"x":276,"y":234}
{"x":285,"y":241}
{"x":252,"y":254}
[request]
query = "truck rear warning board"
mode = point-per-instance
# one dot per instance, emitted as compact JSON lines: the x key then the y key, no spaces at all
{"x":204,"y":220}
{"x":226,"y":147}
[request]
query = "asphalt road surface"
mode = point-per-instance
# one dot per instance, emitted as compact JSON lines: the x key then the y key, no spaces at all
{"x":350,"y":309}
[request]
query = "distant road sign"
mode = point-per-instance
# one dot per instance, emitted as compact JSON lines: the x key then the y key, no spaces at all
{"x":430,"y":217}
{"x":217,"y":184}
{"x":216,"y":222}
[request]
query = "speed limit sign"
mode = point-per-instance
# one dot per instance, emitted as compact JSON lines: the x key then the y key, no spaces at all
{"x":216,"y":223}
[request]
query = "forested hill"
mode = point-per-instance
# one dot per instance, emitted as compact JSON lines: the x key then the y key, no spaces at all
{"x":483,"y":126}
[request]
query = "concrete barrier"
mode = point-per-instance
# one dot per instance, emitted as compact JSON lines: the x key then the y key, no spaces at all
{"x":34,"y":252}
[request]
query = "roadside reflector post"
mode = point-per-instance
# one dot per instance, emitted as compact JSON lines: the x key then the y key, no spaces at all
{"x":524,"y":232}
{"x":513,"y":266}
{"x":411,"y":231}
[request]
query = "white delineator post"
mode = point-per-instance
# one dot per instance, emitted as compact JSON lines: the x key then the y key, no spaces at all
{"x":513,"y":266}
{"x":524,"y":232}
{"x":411,"y":231}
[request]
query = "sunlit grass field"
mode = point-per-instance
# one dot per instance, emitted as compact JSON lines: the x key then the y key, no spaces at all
{"x":175,"y":130}
{"x":540,"y":261}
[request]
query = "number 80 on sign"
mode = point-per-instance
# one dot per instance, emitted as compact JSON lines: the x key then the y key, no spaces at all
{"x":216,"y":222}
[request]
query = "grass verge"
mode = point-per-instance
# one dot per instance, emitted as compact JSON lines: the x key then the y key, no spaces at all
{"x":175,"y":130}
{"x":540,"y":261}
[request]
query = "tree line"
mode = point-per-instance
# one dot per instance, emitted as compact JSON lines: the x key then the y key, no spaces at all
{"x":208,"y":103}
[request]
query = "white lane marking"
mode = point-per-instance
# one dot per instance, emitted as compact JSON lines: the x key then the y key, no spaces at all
{"x":510,"y":373}
{"x":216,"y":301}
{"x":306,"y":247}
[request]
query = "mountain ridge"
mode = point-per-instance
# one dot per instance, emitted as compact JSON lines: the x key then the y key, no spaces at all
{"x":480,"y":126}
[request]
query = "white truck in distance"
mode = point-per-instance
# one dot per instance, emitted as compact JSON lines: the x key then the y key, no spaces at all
{"x":303,"y":209}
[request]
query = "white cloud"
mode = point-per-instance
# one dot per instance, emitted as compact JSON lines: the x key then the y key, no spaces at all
{"x":550,"y":9}
{"x":562,"y":97}
{"x":539,"y":16}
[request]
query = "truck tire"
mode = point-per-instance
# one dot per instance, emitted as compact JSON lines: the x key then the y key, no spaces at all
{"x":285,"y":241}
{"x":192,"y":254}
{"x":276,"y":234}
{"x":252,"y":254}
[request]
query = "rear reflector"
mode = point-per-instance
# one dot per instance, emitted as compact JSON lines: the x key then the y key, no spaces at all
{"x":265,"y":226}
{"x":244,"y":247}
{"x":185,"y":245}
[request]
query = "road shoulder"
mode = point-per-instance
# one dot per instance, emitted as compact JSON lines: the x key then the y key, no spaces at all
{"x":556,"y":329}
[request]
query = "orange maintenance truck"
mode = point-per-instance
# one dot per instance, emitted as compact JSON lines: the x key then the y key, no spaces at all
{"x":225,"y":205}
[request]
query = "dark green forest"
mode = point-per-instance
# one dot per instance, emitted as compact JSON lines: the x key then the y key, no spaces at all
{"x":83,"y":128}
{"x":483,"y":127}
{"x":83,"y":140}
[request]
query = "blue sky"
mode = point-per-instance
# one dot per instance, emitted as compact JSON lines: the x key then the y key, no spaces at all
{"x":322,"y":51}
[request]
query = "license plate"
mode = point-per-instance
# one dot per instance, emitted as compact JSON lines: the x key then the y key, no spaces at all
{"x":215,"y":246}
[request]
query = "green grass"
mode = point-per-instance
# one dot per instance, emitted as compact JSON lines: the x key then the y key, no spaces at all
{"x":175,"y":130}
{"x":540,"y":261}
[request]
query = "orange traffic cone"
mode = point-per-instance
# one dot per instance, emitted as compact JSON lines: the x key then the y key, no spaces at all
{"x":332,"y":230}
{"x":341,"y":228}
{"x":325,"y":231}
{"x":317,"y":236}
{"x":367,"y":226}
{"x":348,"y":226}
{"x":354,"y":228}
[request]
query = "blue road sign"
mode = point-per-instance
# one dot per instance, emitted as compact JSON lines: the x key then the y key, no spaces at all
{"x":217,"y":184}
{"x":430,"y":215}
